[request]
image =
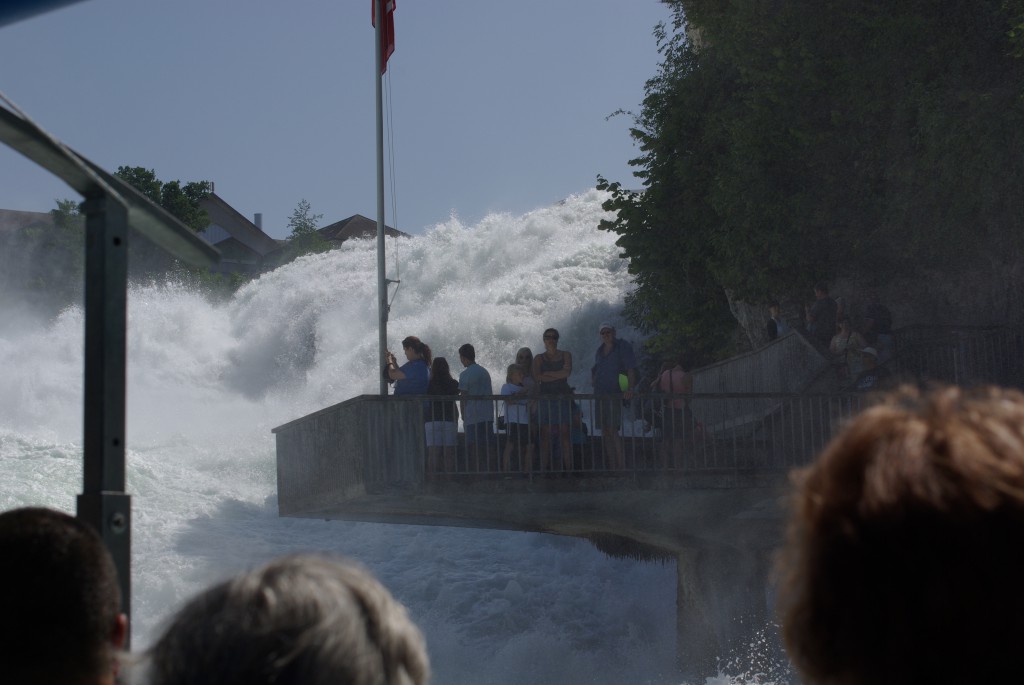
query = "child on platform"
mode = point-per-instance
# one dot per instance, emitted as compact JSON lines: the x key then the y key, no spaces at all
{"x":517,"y":419}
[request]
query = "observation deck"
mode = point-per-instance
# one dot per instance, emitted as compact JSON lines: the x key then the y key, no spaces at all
{"x":711,"y":497}
{"x":749,"y":422}
{"x":364,"y":459}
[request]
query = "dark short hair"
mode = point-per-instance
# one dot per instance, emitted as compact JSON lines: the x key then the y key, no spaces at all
{"x":468,"y":352}
{"x":904,"y":554}
{"x":59,"y":598}
{"x":305,"y":619}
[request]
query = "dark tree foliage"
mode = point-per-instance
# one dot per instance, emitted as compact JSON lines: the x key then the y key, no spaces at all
{"x":785,"y":142}
{"x":146,"y":260}
{"x":181,"y":202}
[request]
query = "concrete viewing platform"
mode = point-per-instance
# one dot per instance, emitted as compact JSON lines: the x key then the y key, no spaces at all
{"x":713,"y":500}
{"x":717,"y":510}
{"x":365,"y":459}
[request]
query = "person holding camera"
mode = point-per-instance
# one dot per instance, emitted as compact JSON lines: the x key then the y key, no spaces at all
{"x":412,"y":377}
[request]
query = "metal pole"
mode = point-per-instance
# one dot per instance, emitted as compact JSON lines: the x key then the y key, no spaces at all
{"x":382,"y":284}
{"x":104,"y":503}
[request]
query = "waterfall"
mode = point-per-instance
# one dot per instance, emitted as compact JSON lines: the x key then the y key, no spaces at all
{"x":207,"y":382}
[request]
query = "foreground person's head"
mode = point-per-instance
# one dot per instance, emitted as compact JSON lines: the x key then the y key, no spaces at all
{"x":299,"y":620}
{"x":60,"y":602}
{"x":906,"y":545}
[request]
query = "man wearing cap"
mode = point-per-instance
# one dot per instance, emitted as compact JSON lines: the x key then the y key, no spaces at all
{"x":873,"y":375}
{"x":613,"y":357}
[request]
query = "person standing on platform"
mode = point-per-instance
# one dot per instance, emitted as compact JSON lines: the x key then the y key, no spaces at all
{"x":613,"y":357}
{"x":524,"y":358}
{"x":821,"y":316}
{"x":411,"y":378}
{"x":477,"y":415}
{"x":517,"y":420}
{"x":551,"y":370}
{"x":776,"y":326}
{"x":677,"y":422}
{"x":441,"y":420}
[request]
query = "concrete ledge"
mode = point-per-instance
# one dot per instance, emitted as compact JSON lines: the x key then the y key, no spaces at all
{"x":748,"y":517}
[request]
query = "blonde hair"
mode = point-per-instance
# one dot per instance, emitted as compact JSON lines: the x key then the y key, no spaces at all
{"x":514,"y":368}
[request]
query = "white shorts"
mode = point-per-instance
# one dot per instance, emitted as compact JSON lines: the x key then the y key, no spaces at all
{"x":440,"y":433}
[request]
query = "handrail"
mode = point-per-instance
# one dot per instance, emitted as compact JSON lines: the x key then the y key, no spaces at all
{"x":371,"y":442}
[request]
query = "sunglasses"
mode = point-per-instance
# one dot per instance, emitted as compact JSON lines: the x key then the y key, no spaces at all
{"x":551,"y":337}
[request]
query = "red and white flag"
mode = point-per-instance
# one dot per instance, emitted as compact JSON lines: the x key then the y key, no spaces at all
{"x":387,"y":42}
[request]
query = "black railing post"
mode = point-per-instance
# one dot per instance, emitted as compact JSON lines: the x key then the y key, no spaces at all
{"x":103,"y":502}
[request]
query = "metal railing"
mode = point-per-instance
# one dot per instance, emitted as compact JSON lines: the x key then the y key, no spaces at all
{"x":694,"y":433}
{"x":371,"y":442}
{"x":960,"y":355}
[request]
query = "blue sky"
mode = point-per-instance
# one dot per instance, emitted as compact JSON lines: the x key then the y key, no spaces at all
{"x":495,"y":106}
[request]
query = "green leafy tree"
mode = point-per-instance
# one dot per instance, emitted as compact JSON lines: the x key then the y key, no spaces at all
{"x":182,"y":202}
{"x":783,"y":143}
{"x":304,"y":238}
{"x":143,"y":180}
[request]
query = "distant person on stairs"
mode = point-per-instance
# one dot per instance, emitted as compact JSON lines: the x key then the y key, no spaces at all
{"x":821,"y":316}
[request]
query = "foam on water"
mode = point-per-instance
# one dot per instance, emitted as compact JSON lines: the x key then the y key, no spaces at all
{"x":206,"y":383}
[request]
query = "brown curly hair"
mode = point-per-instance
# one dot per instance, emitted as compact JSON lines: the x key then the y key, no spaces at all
{"x":905,"y":547}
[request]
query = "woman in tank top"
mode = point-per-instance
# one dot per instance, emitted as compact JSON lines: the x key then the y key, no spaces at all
{"x":551,"y":371}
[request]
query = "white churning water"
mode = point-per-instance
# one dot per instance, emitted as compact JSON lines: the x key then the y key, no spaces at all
{"x":207,"y":382}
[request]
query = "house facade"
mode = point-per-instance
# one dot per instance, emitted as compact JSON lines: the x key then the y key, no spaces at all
{"x":245,"y":249}
{"x":356,"y":226}
{"x":243,"y":245}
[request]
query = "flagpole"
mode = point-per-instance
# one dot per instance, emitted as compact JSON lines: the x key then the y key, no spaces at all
{"x":382,"y":284}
